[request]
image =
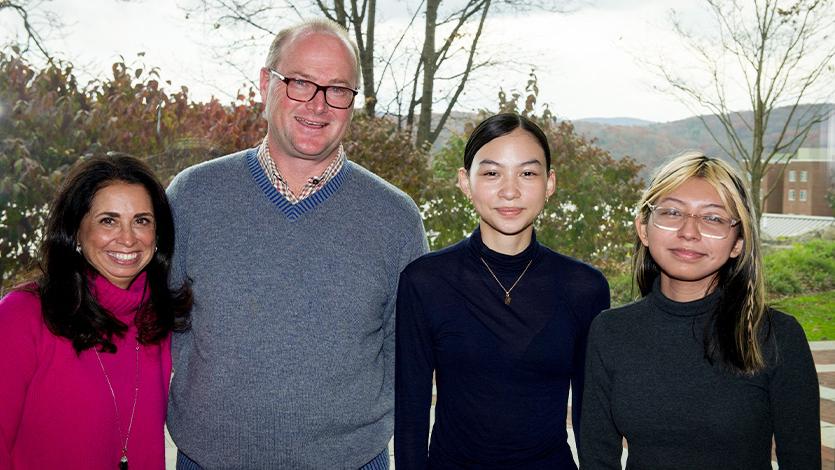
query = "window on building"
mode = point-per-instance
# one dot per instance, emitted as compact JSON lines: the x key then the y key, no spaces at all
{"x":792,"y":176}
{"x":791,"y":195}
{"x":804,"y":176}
{"x":802,"y":195}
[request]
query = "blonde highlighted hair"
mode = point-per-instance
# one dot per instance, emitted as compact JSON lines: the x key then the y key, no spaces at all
{"x":733,"y":335}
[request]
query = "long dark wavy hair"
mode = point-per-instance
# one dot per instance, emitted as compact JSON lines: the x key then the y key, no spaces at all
{"x":63,"y":284}
{"x":741,"y":321}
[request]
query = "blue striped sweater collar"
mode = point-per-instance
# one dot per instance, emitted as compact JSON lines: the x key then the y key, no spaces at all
{"x":308,"y":204}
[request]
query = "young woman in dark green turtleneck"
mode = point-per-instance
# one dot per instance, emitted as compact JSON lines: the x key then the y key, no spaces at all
{"x":699,"y":373}
{"x":500,"y":320}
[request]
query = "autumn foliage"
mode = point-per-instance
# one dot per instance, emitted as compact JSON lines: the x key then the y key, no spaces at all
{"x":48,"y":120}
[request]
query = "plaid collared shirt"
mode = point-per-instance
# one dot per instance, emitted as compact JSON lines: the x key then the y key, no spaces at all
{"x":314,"y":183}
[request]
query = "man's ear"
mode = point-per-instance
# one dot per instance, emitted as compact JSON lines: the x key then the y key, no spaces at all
{"x":264,"y":84}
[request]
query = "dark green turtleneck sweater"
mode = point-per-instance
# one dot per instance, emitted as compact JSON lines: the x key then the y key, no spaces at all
{"x":648,"y":381}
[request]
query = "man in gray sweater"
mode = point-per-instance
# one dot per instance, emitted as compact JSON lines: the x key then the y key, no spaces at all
{"x":294,"y":253}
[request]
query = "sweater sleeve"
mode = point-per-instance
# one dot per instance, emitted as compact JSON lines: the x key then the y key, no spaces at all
{"x":413,"y":381}
{"x":601,"y":444}
{"x":414,"y":247}
{"x":795,"y":398}
{"x":20,"y":326}
{"x":594,"y":300}
{"x":176,"y":193}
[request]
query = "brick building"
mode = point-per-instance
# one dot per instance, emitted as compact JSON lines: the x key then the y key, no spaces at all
{"x":803,"y":185}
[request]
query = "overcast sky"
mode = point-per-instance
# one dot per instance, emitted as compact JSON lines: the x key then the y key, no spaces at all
{"x":588,"y":61}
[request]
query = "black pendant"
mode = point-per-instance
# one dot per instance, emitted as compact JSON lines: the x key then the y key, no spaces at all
{"x":123,"y":463}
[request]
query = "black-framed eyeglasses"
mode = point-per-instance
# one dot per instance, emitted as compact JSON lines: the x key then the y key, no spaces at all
{"x":715,"y":226}
{"x":298,"y":89}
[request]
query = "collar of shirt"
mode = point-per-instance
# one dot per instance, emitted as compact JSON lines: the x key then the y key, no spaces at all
{"x":314,"y":183}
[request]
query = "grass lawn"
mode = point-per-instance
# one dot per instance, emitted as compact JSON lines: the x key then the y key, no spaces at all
{"x":816,"y":313}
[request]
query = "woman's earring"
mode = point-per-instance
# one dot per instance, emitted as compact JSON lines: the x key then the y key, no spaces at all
{"x":78,"y":248}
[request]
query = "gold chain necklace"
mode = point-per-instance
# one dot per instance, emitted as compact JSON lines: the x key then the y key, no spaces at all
{"x":123,"y":440}
{"x":507,"y":298}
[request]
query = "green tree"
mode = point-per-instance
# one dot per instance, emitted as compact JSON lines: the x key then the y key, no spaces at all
{"x":48,"y":121}
{"x":38,"y":116}
{"x":447,"y":214}
{"x":377,"y":144}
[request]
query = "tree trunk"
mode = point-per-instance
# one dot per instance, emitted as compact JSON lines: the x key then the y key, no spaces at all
{"x":757,"y":168}
{"x":367,"y":61}
{"x":428,"y":60}
{"x":339,"y":10}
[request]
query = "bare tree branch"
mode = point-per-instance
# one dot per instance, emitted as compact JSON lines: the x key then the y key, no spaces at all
{"x":783,"y":55}
{"x":460,"y":24}
{"x":473,"y":46}
{"x":388,"y":61}
{"x":32,"y":35}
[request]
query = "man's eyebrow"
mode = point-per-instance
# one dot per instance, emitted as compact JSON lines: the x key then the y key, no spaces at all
{"x":304,"y":76}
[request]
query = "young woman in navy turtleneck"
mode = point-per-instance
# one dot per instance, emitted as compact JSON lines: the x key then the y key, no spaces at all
{"x":500,"y":320}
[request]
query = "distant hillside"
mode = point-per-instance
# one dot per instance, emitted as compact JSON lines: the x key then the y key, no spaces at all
{"x":652,"y":144}
{"x":616,"y":121}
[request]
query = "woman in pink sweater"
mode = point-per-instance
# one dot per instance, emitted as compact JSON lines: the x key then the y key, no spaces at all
{"x":85,"y":355}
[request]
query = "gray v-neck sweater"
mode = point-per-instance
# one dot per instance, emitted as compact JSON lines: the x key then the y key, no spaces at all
{"x":290,"y":359}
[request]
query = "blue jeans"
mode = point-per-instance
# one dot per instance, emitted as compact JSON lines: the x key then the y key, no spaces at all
{"x":380,"y":462}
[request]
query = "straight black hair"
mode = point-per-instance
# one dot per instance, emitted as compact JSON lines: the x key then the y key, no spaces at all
{"x":499,"y":125}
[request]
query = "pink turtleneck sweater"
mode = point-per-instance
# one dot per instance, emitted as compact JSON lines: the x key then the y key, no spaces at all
{"x":56,"y":410}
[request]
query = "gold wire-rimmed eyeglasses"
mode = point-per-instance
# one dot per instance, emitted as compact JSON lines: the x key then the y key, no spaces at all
{"x":710,"y":225}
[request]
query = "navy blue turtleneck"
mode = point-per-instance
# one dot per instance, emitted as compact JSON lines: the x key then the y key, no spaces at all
{"x":502,"y":371}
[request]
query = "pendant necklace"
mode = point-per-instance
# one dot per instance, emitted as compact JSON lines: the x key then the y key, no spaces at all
{"x":506,"y":291}
{"x":123,"y":439}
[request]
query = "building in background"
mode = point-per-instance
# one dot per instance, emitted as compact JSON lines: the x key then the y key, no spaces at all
{"x":801,"y":186}
{"x":777,"y":226}
{"x":798,"y":203}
